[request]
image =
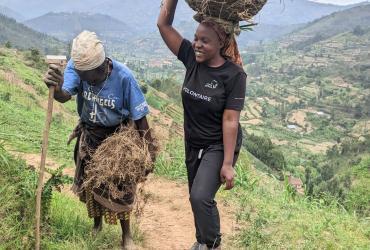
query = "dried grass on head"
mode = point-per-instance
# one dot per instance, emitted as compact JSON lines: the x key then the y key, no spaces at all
{"x":227,"y":13}
{"x":120,"y":163}
{"x":230,"y":10}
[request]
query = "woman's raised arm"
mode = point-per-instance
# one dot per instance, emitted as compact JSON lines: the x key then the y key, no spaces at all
{"x":169,"y":34}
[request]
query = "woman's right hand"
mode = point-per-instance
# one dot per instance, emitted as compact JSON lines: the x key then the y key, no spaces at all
{"x":54,"y":77}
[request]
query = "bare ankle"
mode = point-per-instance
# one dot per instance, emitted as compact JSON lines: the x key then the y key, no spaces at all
{"x":98,"y":222}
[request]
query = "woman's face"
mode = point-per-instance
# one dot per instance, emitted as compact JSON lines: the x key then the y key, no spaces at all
{"x":206,"y":44}
{"x":94,"y":76}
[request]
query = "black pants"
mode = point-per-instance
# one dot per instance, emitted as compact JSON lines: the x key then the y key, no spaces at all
{"x":203,"y":168}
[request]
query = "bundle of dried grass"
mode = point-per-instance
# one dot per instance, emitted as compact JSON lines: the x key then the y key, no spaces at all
{"x":228,"y":10}
{"x":119,"y":164}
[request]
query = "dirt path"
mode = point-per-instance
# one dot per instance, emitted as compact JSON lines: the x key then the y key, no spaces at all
{"x":167,"y":220}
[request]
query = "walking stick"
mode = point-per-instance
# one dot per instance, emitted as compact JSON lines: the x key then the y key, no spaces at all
{"x":44,"y":149}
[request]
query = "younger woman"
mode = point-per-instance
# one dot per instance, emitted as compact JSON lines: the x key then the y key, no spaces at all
{"x":213,"y":95}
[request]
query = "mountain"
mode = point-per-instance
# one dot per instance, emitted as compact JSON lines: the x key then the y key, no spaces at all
{"x":331,"y":25}
{"x":65,"y":26}
{"x":289,"y":12}
{"x":34,"y":8}
{"x":265,"y":33}
{"x":11,"y":13}
{"x":141,"y":14}
{"x":23,"y":37}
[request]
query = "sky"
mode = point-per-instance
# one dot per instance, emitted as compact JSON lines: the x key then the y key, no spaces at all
{"x":339,"y":2}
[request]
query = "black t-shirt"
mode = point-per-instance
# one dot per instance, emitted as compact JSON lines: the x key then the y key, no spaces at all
{"x":206,"y":93}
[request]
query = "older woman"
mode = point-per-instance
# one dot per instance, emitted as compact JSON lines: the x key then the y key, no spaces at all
{"x":108,"y":96}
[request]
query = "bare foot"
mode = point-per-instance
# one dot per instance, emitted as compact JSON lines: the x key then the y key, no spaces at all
{"x":127,"y":243}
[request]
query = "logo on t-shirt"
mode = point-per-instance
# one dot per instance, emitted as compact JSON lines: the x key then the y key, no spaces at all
{"x":197,"y":95}
{"x":212,"y":85}
{"x":141,"y":107}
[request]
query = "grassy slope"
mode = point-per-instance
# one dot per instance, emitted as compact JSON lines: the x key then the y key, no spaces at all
{"x":271,"y":217}
{"x":22,"y":114}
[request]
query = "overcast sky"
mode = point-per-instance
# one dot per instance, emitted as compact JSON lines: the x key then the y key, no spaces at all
{"x":339,"y":2}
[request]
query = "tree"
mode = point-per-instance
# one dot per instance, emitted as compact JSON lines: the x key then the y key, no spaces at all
{"x":8,"y":45}
{"x":157,"y":84}
{"x":35,"y":55}
{"x":358,"y":31}
{"x":144,"y":88}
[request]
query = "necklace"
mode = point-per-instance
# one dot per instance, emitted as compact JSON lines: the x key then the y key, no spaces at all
{"x":94,"y":111}
{"x":103,"y":85}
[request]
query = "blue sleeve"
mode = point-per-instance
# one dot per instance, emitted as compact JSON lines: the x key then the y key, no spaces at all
{"x":71,"y":79}
{"x":135,"y":99}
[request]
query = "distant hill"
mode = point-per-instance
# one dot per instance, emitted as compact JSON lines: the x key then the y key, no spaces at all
{"x":140,"y":15}
{"x":65,"y":26}
{"x":11,"y":13}
{"x":330,"y":25}
{"x":23,"y":37}
{"x":280,"y":12}
{"x":34,"y":8}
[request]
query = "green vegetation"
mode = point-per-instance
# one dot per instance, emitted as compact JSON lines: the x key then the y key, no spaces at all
{"x":170,"y":87}
{"x":171,"y":163}
{"x":16,"y":195}
{"x":17,"y":35}
{"x":22,"y":103}
{"x":276,"y":218}
{"x":343,"y":174}
{"x":263,"y":149}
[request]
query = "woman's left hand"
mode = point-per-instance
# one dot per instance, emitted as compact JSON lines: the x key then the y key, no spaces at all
{"x":227,"y":175}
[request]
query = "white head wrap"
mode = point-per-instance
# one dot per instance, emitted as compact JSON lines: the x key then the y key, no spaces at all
{"x":87,"y":51}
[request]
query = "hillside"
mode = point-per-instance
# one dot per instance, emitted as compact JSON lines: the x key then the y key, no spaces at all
{"x":65,"y":26}
{"x":23,"y":37}
{"x":331,"y":25}
{"x":313,"y":74}
{"x":11,"y":13}
{"x":311,"y":98}
{"x":295,"y":12}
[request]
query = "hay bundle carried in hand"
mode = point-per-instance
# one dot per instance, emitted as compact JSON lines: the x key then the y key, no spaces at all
{"x":229,"y":11}
{"x":121,"y":162}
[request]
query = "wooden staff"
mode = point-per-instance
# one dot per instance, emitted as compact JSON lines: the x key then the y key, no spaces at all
{"x":44,"y":149}
{"x":61,"y":61}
